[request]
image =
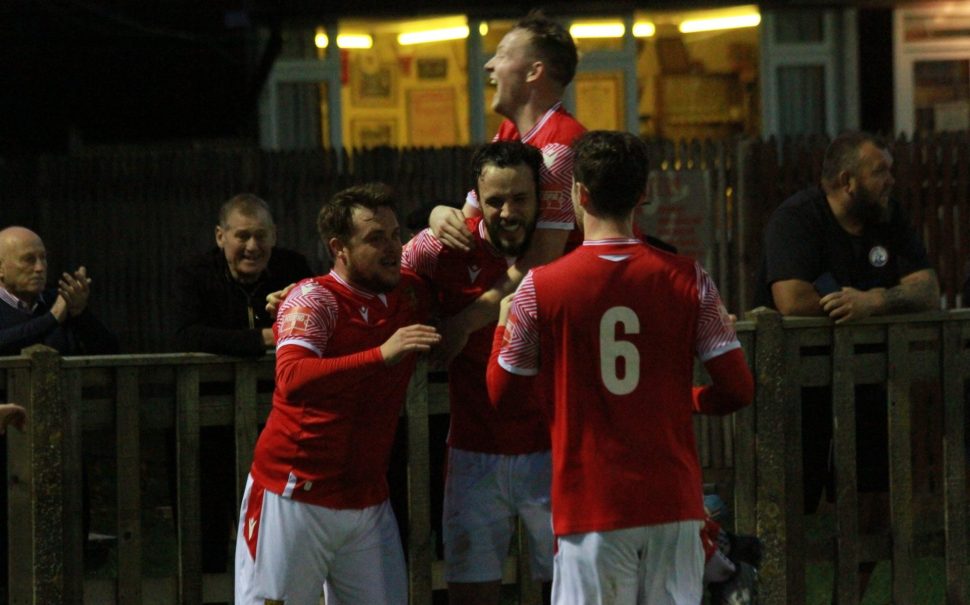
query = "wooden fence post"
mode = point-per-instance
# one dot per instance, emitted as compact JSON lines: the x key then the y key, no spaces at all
{"x":953,"y":367}
{"x":772,"y":403}
{"x":419,"y":486}
{"x":36,"y":493}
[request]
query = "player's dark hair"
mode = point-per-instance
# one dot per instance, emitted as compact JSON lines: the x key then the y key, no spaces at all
{"x":843,"y":154}
{"x":506,"y":154}
{"x":614,"y":167}
{"x":553,"y":45}
{"x":243,"y":203}
{"x":336,"y":217}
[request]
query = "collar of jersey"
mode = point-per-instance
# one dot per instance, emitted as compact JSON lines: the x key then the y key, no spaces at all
{"x":542,"y":121}
{"x":617,"y":241}
{"x":358,"y":291}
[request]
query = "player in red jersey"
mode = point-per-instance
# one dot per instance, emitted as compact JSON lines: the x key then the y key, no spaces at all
{"x":612,"y":330}
{"x":316,"y":505}
{"x":531,"y":68}
{"x":498,"y":461}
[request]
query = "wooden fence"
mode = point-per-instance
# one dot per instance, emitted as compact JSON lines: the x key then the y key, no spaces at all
{"x":757,"y":451}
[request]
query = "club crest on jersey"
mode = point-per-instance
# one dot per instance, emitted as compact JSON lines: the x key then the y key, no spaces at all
{"x":296,"y":322}
{"x":878,"y":256}
{"x":364,"y":312}
{"x":473,"y":272}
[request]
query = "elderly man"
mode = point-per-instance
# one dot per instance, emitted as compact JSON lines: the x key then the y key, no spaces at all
{"x":219,"y":300}
{"x":220,"y":294}
{"x":30,"y":313}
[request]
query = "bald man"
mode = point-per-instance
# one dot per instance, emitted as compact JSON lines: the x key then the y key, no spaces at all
{"x":30,"y":313}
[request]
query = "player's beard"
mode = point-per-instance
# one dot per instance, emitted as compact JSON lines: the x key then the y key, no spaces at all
{"x":495,"y":235}
{"x":867,"y":207}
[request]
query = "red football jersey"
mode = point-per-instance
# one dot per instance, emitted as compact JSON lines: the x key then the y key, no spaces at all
{"x":336,"y":405}
{"x":458,"y":278}
{"x":553,"y":135}
{"x":614,"y":327}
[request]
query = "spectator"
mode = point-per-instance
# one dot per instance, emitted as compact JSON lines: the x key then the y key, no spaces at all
{"x":219,"y":309}
{"x":31,"y":313}
{"x":846,"y":250}
{"x":220,"y":294}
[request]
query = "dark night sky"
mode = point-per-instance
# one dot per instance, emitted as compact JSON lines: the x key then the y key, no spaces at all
{"x":107,"y":75}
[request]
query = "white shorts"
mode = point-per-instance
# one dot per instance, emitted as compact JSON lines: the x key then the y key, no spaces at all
{"x":655,"y":565}
{"x":299,"y":546}
{"x":483,"y":494}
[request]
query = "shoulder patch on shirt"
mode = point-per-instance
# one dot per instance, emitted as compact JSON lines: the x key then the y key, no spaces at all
{"x":296,"y":322}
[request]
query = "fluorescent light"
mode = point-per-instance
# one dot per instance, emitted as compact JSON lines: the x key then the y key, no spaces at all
{"x":706,"y":25}
{"x":433,"y":35}
{"x":344,"y":40}
{"x":355,"y":41}
{"x":644,"y":29}
{"x":597,"y":30}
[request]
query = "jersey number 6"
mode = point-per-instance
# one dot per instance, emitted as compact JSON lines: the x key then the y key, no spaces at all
{"x":612,"y":350}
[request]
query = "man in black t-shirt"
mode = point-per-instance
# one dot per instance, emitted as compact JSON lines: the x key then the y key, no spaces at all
{"x":847,"y":251}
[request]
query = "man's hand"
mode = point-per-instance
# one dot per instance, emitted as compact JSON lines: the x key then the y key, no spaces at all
{"x":416,"y":338}
{"x":75,"y":289}
{"x":59,"y":309}
{"x":275,"y":299}
{"x":269,"y":340}
{"x":454,"y":337}
{"x":504,"y":307}
{"x":12,"y":414}
{"x":850,"y":304}
{"x":448,"y":225}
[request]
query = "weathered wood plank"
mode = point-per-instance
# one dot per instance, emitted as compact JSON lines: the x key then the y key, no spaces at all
{"x":245,"y":420}
{"x":420,"y":552}
{"x":73,"y":489}
{"x":128,"y":429}
{"x":187,"y":454}
{"x":900,"y":466}
{"x":954,"y":369}
{"x":846,"y":500}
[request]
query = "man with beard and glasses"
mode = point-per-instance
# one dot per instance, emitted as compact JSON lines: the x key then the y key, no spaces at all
{"x":499,"y":463}
{"x":846,"y":250}
{"x":315,"y":508}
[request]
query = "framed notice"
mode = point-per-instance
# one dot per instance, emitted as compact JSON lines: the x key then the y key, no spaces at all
{"x":373,"y":84}
{"x":379,"y":132}
{"x":599,"y":100}
{"x":432,"y":117}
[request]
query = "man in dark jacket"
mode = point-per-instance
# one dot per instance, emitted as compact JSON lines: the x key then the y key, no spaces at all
{"x":220,"y":294}
{"x":31,"y":313}
{"x":220,"y":297}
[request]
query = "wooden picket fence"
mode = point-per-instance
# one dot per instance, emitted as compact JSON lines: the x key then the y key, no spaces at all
{"x":755,"y":455}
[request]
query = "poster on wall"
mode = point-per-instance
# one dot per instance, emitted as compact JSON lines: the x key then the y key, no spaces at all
{"x":373,"y":84}
{"x":432,"y":117}
{"x":678,"y":211}
{"x":376,"y":132}
{"x":599,"y":100}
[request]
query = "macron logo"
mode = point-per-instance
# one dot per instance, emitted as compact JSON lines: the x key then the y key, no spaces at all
{"x":363,"y":313}
{"x":473,"y":272}
{"x":252,"y":526}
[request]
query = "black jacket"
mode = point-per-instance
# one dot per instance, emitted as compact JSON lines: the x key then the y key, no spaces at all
{"x":216,"y":314}
{"x":80,"y":335}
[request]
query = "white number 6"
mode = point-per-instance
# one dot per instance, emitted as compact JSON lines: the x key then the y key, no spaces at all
{"x":612,"y":349}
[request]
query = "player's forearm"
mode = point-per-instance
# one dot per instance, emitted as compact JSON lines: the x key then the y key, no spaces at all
{"x":917,"y":292}
{"x":298,"y":368}
{"x":731,"y":388}
{"x":504,"y":387}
